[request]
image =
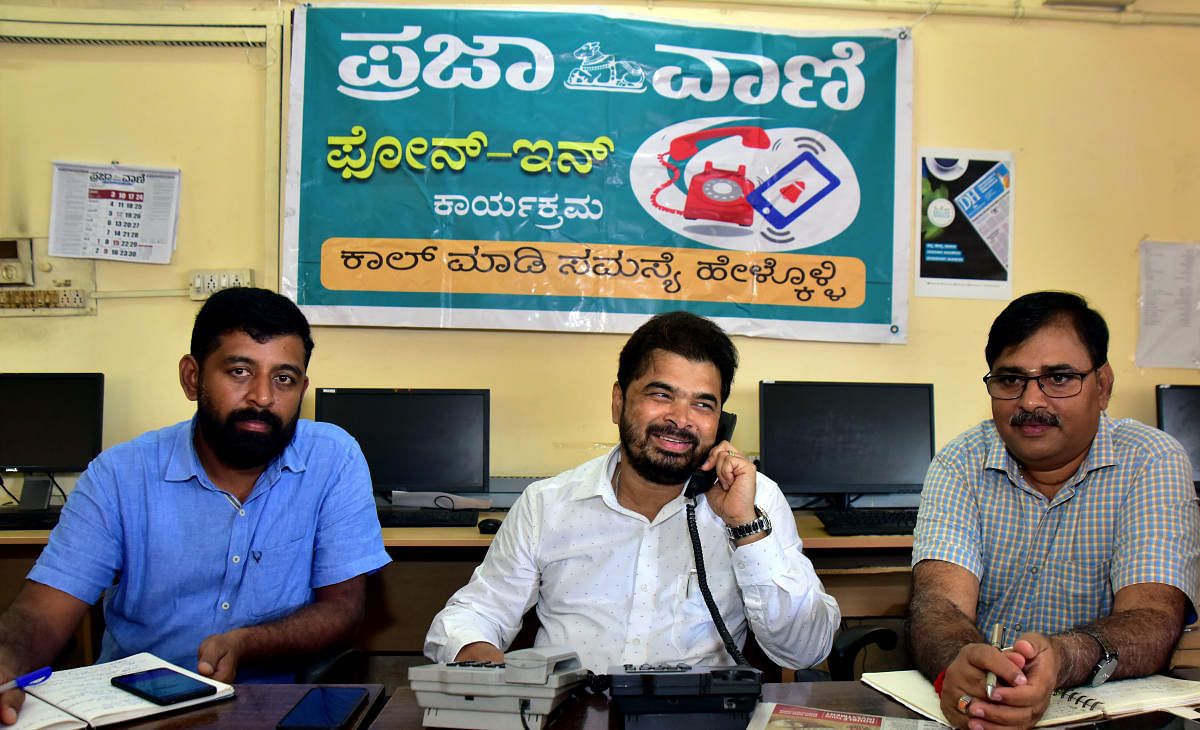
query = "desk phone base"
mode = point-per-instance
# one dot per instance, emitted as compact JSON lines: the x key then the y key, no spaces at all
{"x":529,"y":685}
{"x":669,"y":696}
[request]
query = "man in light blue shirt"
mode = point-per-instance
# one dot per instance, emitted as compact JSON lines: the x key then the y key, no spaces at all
{"x":240,"y":536}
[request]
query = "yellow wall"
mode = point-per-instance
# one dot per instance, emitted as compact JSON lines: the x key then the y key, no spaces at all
{"x":1100,"y":119}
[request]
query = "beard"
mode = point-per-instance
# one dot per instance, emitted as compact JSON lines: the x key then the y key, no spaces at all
{"x":653,"y":465}
{"x":239,"y":448}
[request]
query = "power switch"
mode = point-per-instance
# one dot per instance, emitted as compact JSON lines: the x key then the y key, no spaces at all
{"x":16,"y":261}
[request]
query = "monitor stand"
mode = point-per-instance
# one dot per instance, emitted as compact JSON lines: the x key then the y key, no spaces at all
{"x":35,"y":493}
{"x":839,"y":501}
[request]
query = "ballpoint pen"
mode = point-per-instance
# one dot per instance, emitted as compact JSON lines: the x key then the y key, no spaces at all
{"x":35,"y":677}
{"x":997,"y":640}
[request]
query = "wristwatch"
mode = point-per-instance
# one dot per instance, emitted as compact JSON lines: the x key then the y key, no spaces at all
{"x":761,"y":524}
{"x":1108,"y":661}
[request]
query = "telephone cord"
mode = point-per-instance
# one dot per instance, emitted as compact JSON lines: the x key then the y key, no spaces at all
{"x":702,"y":579}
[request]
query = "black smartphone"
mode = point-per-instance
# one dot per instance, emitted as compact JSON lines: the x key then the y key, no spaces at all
{"x":163,"y":686}
{"x":324,"y":708}
{"x":703,"y":479}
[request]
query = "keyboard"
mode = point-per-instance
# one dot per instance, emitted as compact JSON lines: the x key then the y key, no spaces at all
{"x":427,"y":517}
{"x":869,"y":520}
{"x":15,"y":518}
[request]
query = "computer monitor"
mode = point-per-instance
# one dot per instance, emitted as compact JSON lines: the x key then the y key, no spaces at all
{"x":840,"y":440}
{"x":1178,"y":409}
{"x":52,"y":422}
{"x":416,"y":440}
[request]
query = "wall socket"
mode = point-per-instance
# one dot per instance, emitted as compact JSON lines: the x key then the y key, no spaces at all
{"x":204,"y":282}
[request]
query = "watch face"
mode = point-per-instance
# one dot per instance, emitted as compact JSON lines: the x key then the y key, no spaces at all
{"x":1104,"y":670}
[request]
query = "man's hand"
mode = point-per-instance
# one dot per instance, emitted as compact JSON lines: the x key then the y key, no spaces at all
{"x":479,"y":651}
{"x":218,"y":656}
{"x":1019,"y":704}
{"x":967,"y":677}
{"x":732,"y":497}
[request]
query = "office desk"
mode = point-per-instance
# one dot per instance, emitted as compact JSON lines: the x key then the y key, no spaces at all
{"x":592,"y":711}
{"x":869,"y":576}
{"x":254,"y":706}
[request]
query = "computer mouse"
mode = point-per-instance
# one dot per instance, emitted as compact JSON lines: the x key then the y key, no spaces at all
{"x":488,"y":526}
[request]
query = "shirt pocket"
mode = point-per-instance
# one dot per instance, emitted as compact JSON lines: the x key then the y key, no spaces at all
{"x":276,"y":580}
{"x":694,"y":633}
{"x":1084,"y":584}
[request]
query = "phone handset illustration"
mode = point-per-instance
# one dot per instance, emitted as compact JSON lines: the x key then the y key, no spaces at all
{"x":704,"y":479}
{"x":685,"y":146}
{"x":716,"y":193}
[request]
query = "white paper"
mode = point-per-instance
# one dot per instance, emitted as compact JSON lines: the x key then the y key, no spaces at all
{"x":116,"y":212}
{"x":1169,"y":305}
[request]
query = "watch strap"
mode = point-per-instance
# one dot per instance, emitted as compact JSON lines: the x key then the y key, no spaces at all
{"x":760,"y":524}
{"x":1108,"y":656}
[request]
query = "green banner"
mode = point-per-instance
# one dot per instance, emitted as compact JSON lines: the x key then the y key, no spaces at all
{"x":576,"y":171}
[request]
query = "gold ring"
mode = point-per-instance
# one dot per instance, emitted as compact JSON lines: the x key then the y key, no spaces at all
{"x":729,"y":453}
{"x":964,"y":703}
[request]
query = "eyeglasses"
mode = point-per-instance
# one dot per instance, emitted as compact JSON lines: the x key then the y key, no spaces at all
{"x":1009,"y":386}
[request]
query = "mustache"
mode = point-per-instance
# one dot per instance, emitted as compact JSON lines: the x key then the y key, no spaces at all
{"x":1037,"y":417}
{"x":253,"y":414}
{"x":678,"y":434}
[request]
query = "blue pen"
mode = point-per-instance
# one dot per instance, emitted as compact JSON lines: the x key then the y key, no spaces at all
{"x":35,"y":677}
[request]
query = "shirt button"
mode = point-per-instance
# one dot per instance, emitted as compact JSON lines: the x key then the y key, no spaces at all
{"x":1016,"y":627}
{"x":225,"y":606}
{"x":236,"y":559}
{"x":242,"y":512}
{"x":1033,"y":570}
{"x":644,"y":587}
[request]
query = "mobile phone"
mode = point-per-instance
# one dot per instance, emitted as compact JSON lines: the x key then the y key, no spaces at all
{"x":163,"y":686}
{"x":324,"y":708}
{"x":703,"y":479}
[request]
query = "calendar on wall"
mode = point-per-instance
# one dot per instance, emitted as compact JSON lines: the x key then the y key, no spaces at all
{"x":116,"y":212}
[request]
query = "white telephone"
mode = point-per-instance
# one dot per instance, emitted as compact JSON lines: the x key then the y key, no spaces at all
{"x":518,"y":693}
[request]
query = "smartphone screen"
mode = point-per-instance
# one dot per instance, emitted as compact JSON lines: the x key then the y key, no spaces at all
{"x":324,"y":708}
{"x":163,"y":686}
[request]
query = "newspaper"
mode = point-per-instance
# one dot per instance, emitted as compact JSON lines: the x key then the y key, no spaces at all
{"x":774,"y":716}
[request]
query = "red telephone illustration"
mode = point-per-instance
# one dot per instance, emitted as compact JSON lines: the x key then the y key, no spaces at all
{"x":716,"y":194}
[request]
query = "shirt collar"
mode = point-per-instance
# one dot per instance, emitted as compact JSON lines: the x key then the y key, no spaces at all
{"x":183,"y":463}
{"x":596,"y":481}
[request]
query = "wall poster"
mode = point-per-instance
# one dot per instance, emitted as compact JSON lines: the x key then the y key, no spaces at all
{"x":581,"y":172}
{"x":965,"y":223}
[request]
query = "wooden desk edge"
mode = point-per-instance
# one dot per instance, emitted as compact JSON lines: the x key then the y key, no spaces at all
{"x":812,"y":534}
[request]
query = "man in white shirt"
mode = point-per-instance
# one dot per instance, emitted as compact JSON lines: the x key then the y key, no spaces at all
{"x":603,"y":550}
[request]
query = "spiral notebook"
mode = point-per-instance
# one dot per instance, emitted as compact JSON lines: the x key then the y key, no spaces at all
{"x":1112,"y":699}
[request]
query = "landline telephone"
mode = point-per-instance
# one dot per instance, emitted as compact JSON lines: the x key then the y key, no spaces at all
{"x":716,"y":193}
{"x":520,"y":692}
{"x":704,"y":479}
{"x":669,"y":696}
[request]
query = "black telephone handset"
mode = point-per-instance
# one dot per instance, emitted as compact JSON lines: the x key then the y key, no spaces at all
{"x":704,"y":479}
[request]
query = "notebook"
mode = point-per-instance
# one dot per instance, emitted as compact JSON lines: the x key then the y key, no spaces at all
{"x":1112,"y":699}
{"x":84,"y":697}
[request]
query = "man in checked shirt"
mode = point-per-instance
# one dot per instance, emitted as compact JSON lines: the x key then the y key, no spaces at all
{"x":1078,"y":533}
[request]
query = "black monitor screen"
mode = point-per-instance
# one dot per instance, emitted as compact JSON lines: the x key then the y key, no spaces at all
{"x":50,"y":422}
{"x":845,"y":438}
{"x":1179,"y":415}
{"x":420,"y":440}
